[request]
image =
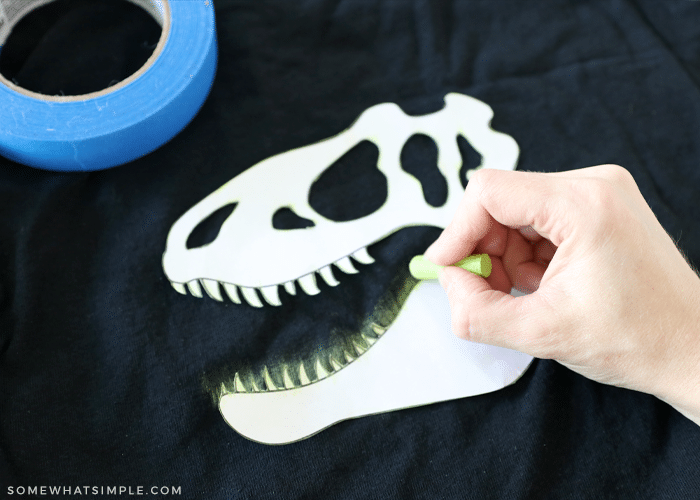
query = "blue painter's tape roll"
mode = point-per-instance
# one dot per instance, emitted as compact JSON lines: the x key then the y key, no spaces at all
{"x":124,"y":122}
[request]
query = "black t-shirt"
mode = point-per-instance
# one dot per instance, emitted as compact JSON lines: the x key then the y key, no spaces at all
{"x":107,"y":374}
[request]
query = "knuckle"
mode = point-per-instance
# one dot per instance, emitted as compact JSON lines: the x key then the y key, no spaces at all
{"x":478,"y":181}
{"x":594,"y":195}
{"x":480,"y":176}
{"x":484,"y":184}
{"x":615,"y":172}
{"x":617,"y":175}
{"x":460,"y":322}
{"x":600,"y":193}
{"x":462,"y":326}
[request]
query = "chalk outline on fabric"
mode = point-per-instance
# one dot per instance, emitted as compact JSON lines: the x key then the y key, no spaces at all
{"x":123,"y":122}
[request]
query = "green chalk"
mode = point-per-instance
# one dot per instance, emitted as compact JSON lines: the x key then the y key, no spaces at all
{"x":422,"y":269}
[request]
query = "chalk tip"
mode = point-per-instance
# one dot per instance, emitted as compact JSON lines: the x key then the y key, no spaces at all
{"x":422,"y":269}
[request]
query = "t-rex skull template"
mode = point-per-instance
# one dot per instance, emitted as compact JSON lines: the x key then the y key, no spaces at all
{"x":249,"y":257}
{"x":246,"y":255}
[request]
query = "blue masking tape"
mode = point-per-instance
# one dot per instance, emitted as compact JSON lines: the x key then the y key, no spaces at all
{"x":126,"y":121}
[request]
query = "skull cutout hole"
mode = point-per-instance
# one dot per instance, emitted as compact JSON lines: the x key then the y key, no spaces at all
{"x":208,"y":229}
{"x":285,"y":218}
{"x":352,"y":187}
{"x":471,"y":159}
{"x":419,"y":158}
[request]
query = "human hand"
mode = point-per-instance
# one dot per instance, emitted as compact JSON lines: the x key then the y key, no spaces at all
{"x":613,"y":298}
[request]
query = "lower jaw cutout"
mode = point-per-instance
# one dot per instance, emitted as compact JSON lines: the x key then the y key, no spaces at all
{"x":417,"y":361}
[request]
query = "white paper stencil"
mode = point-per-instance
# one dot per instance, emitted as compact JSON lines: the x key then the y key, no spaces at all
{"x":250,"y":253}
{"x":417,"y":361}
{"x":414,"y":361}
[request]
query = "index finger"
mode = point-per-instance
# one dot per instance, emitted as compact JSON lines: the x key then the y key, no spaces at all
{"x":510,"y":198}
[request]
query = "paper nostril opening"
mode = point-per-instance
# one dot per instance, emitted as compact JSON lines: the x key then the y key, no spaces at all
{"x":352,"y":187}
{"x":471,"y":159}
{"x":419,"y":158}
{"x":208,"y":229}
{"x":285,"y":218}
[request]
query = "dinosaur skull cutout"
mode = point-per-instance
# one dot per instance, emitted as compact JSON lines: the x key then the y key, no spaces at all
{"x":245,"y":260}
{"x":246,"y":253}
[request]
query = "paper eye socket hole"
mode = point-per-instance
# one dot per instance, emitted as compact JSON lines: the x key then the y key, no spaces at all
{"x":471,"y":159}
{"x":352,"y":187}
{"x":285,"y":218}
{"x":419,"y":158}
{"x":208,"y":229}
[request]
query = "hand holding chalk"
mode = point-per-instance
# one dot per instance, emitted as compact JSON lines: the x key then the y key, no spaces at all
{"x":422,"y":269}
{"x":611,"y":297}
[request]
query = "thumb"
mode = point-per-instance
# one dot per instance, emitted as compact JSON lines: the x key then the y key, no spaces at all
{"x":484,"y":315}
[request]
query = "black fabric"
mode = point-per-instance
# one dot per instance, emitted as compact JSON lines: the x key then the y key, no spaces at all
{"x":104,"y":367}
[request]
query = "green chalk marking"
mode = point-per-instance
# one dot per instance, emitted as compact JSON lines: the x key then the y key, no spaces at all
{"x":422,"y":269}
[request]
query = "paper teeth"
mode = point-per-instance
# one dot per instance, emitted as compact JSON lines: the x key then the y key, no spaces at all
{"x":194,"y":288}
{"x":237,"y":384}
{"x":271,"y":295}
{"x":360,"y":349}
{"x":368,"y":339}
{"x":336,"y":366}
{"x":268,"y":380}
{"x":251,"y":297}
{"x":303,"y":377}
{"x":363,"y":256}
{"x":321,"y":372}
{"x":345,"y":265}
{"x":308,"y":284}
{"x":232,"y":292}
{"x":288,"y":384}
{"x":349,"y":357}
{"x":212,"y":289}
{"x":378,"y":329}
{"x":268,"y":384}
{"x":327,"y":275}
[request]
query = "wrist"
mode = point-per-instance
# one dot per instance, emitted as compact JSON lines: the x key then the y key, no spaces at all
{"x":682,"y":386}
{"x":687,"y":403}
